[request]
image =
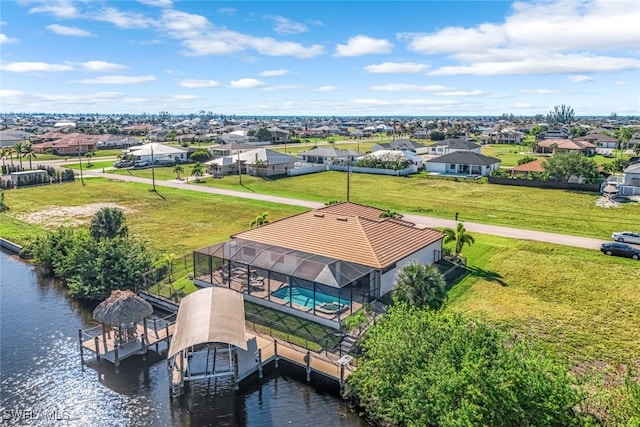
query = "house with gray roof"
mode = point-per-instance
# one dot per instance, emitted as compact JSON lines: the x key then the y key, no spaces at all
{"x":402,"y":145}
{"x":451,"y":145}
{"x":462,"y":163}
{"x":327,"y":155}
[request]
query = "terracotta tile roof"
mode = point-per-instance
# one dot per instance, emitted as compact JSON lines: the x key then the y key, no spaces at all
{"x":348,"y":232}
{"x":533,"y":166}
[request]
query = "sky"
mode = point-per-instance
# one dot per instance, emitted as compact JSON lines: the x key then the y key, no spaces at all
{"x":320,"y":58}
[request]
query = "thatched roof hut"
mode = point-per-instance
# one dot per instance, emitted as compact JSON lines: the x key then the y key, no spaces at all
{"x":122,"y":307}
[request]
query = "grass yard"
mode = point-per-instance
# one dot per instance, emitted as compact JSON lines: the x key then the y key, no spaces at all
{"x":179,"y":223}
{"x":580,"y":304}
{"x":165,"y":173}
{"x":507,"y":153}
{"x":559,"y":211}
{"x":93,"y":166}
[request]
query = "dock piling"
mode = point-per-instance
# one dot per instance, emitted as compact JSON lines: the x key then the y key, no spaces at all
{"x":81,"y":347}
{"x":275,"y":349}
{"x":259,"y":356}
{"x":307,"y":360}
{"x":97,"y":344}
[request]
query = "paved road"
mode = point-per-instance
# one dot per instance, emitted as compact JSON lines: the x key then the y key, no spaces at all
{"x":562,"y":239}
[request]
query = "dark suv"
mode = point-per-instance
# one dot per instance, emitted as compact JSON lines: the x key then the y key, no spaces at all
{"x":620,"y":249}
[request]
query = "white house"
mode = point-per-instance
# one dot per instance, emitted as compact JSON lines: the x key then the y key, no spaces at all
{"x":258,"y":162}
{"x":402,"y":145}
{"x":155,"y":152}
{"x":463,"y":163}
{"x":632,"y":176}
{"x":327,"y":155}
{"x":447,"y":146}
{"x":407,"y":155}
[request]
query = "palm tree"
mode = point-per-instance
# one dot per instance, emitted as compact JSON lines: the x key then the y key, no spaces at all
{"x":108,"y":223}
{"x":390,"y":214}
{"x":88,"y":156}
{"x":27,"y":151}
{"x":18,"y":149}
{"x":4,"y":155}
{"x":178,"y":169}
{"x":459,"y":236}
{"x":420,"y":285}
{"x":197,"y":170}
{"x":260,"y":220}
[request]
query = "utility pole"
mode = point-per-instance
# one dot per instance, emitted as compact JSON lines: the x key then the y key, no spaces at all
{"x":153,"y":170}
{"x":80,"y":159}
{"x":239,"y":171}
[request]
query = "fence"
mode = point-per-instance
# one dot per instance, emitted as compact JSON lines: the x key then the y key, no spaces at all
{"x":306,"y":170}
{"x":545,"y":184}
{"x":168,"y":280}
{"x":292,"y":335}
{"x":376,"y":171}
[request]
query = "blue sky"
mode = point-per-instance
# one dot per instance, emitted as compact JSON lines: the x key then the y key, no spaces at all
{"x":430,"y":58}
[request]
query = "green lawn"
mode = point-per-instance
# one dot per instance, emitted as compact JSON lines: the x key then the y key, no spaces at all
{"x":582,"y":305}
{"x":93,"y":166}
{"x":179,"y":223}
{"x":507,"y":153}
{"x":560,"y":211}
{"x":161,"y":173}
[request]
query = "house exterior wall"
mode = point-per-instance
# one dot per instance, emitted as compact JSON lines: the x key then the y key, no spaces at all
{"x":427,"y":255}
{"x":441,"y":150}
{"x":436,"y":167}
{"x":167,"y":156}
{"x":632,"y":179}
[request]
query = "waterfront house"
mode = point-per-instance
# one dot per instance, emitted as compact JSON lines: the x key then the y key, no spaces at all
{"x":321,"y":265}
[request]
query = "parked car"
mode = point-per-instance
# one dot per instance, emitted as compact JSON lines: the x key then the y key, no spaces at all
{"x":626,"y":237}
{"x":123,"y":164}
{"x":620,"y":249}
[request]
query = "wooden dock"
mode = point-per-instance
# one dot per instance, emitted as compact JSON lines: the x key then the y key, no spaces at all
{"x":106,"y":345}
{"x":265,"y":351}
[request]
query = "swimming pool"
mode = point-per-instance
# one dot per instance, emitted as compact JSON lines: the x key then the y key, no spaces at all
{"x":304,"y":296}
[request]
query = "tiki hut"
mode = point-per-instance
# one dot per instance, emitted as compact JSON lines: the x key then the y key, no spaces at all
{"x":122,"y":310}
{"x":610,"y":189}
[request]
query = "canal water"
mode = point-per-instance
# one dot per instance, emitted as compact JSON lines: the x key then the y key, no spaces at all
{"x":42,"y":381}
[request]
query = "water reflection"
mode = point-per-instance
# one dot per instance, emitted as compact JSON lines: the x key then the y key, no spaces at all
{"x":40,"y":370}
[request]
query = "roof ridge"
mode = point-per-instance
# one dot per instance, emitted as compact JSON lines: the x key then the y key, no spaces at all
{"x":368,"y":240}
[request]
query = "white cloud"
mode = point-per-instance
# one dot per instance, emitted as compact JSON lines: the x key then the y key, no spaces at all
{"x":580,"y":78}
{"x":461,"y":93}
{"x":396,"y":67}
{"x":455,"y":39}
{"x":402,"y":102}
{"x":185,"y":97}
{"x":541,"y":91}
{"x":522,"y":105}
{"x":528,"y":42}
{"x":101,"y":66}
{"x":273,"y":73}
{"x":552,"y":63}
{"x":122,"y":19}
{"x":363,"y":45}
{"x":9,"y":93}
{"x":621,"y":83}
{"x":325,"y":89}
{"x":200,"y":38}
{"x":69,"y":31}
{"x":30,"y":67}
{"x":226,"y":11}
{"x":157,"y":3}
{"x":117,"y":80}
{"x":287,"y":26}
{"x":191,"y":84}
{"x":283,"y":87}
{"x":59,"y":8}
{"x":247,"y":84}
{"x":403,"y":87}
{"x":6,"y":39}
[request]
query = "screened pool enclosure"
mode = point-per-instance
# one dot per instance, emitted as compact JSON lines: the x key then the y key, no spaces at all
{"x":307,"y":285}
